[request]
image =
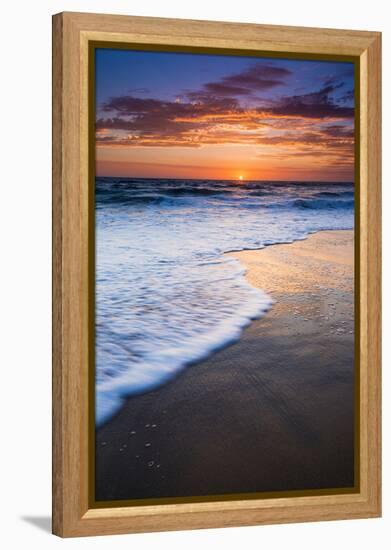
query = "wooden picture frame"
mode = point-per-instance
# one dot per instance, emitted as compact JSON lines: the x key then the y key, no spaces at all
{"x":73,"y":514}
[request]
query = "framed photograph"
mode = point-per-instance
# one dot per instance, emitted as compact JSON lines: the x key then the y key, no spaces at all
{"x":216,"y":274}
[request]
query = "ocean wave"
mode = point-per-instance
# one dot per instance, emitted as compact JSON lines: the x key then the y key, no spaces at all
{"x":144,"y":373}
{"x":167,"y":296}
{"x":320,"y":204}
{"x":335,"y":194}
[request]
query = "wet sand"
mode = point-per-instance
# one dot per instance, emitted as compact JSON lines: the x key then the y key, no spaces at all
{"x":273,"y":412}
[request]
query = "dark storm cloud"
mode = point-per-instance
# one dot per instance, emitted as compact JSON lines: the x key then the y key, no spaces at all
{"x":313,"y":105}
{"x":256,"y":78}
{"x":190,"y":119}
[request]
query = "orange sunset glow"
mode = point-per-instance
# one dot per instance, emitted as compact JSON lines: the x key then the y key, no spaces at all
{"x":218,"y":117}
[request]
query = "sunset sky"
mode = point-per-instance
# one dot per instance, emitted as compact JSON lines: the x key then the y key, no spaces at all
{"x":184,"y":115}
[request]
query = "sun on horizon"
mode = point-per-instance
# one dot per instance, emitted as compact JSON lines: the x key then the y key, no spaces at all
{"x":174,"y":115}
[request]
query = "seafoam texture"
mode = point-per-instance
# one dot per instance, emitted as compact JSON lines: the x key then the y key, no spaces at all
{"x":166,"y":295}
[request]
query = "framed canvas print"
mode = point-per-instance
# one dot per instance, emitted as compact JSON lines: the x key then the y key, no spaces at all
{"x":216,"y":216}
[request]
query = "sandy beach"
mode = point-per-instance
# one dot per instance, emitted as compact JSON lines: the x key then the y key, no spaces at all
{"x":272,"y":412}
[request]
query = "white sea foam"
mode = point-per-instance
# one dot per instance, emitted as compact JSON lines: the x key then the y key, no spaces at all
{"x":166,"y":295}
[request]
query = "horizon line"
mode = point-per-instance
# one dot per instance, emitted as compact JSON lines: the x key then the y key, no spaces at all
{"x":226,"y":179}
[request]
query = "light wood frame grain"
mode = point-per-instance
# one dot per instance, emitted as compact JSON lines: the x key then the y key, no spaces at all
{"x":72,"y":514}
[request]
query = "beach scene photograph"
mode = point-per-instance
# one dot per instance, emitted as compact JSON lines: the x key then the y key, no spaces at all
{"x":224,"y":275}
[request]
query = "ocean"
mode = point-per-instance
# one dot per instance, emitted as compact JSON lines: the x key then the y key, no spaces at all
{"x":167,"y":295}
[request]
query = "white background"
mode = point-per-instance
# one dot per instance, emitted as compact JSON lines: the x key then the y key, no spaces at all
{"x":25,"y":273}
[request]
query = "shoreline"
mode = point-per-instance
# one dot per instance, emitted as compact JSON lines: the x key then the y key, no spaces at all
{"x":280,"y":399}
